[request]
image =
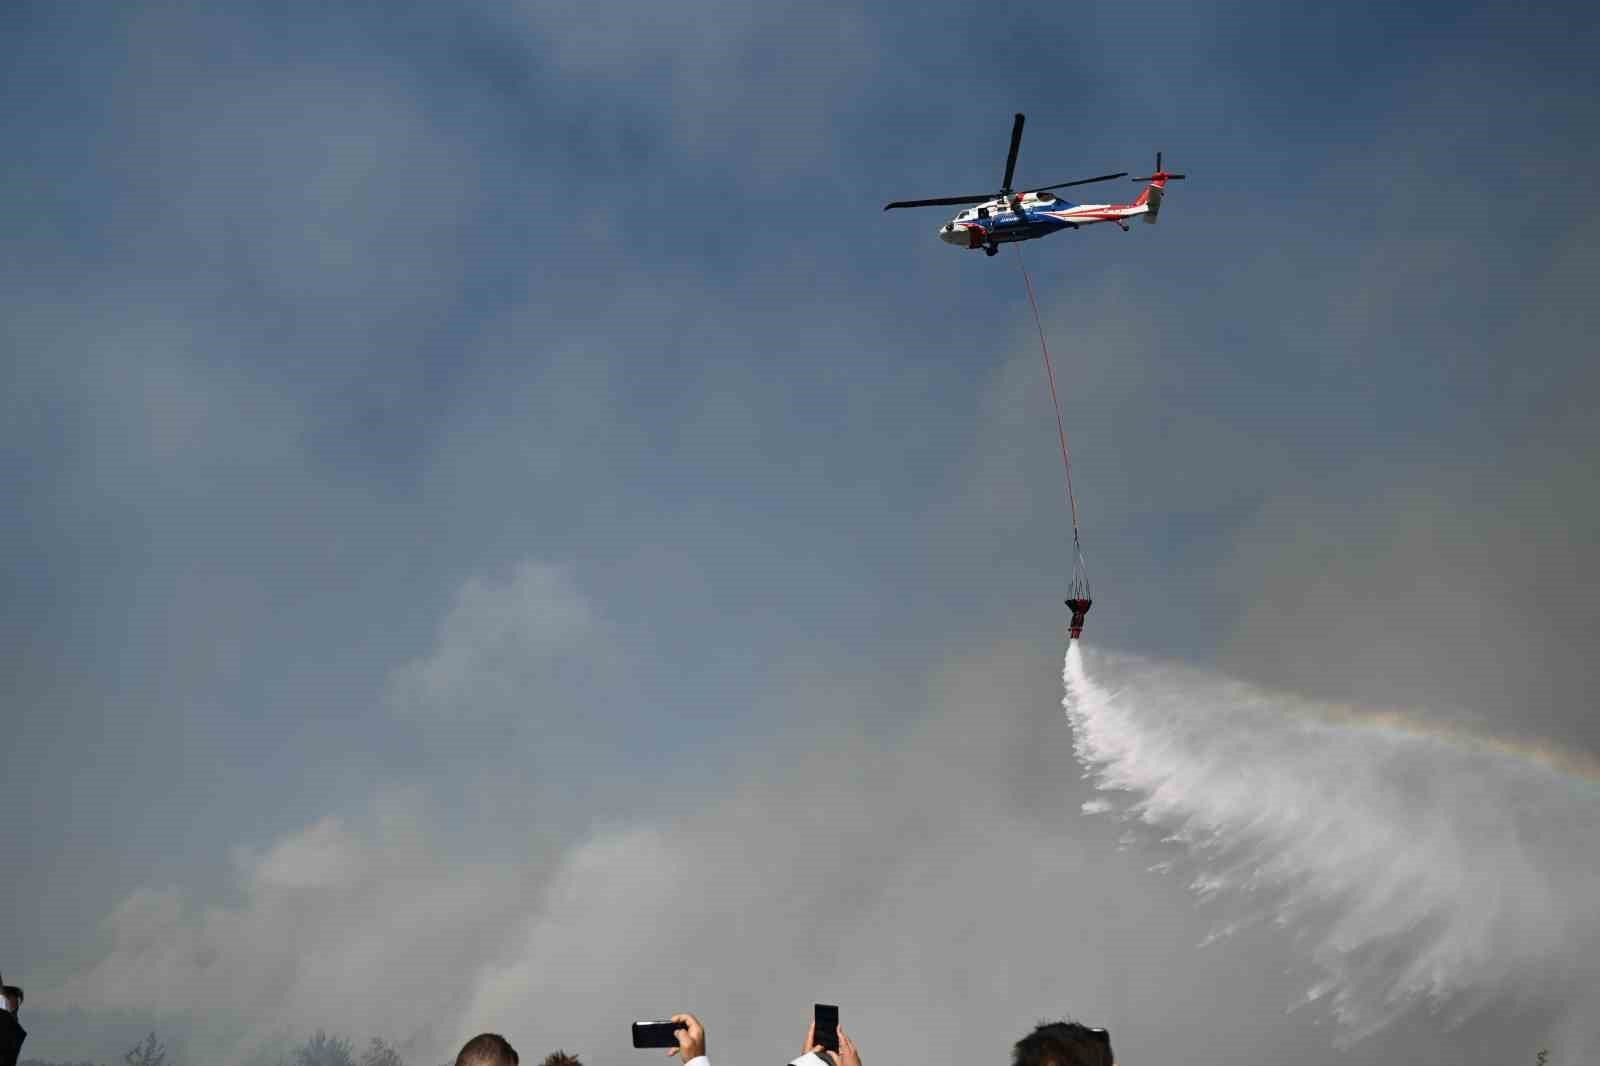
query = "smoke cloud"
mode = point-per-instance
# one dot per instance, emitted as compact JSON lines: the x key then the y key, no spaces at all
{"x":935,"y":881}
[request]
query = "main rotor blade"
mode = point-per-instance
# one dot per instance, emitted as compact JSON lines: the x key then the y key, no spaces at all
{"x":1081,"y":181}
{"x":941,"y":200}
{"x":1011,"y":157}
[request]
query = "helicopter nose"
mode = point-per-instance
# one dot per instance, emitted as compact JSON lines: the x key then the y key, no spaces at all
{"x":961,"y":236}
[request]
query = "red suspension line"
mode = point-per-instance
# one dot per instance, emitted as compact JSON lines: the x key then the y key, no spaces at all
{"x":1061,"y":430}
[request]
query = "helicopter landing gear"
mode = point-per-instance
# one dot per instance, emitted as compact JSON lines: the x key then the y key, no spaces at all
{"x":991,"y":249}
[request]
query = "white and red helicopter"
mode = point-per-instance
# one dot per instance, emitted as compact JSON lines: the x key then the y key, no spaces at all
{"x":1008,"y":216}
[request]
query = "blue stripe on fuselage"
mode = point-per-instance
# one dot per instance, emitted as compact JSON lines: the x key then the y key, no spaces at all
{"x":1010,"y":228}
{"x":1034,"y":222}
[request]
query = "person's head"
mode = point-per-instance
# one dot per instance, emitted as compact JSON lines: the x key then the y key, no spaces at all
{"x":560,"y":1058}
{"x":13,"y":997}
{"x":487,"y":1049}
{"x":1064,"y":1044}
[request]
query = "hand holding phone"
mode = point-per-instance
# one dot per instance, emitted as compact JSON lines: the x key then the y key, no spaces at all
{"x":656,"y":1034}
{"x":825,"y":1026}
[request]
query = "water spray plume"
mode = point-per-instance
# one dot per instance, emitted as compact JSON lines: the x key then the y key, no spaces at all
{"x":1421,"y":866}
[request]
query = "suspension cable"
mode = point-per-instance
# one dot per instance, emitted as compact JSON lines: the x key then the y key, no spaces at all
{"x":1080,"y":571}
{"x":1061,"y":429}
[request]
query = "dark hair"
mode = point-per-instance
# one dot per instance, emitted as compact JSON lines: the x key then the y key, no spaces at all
{"x":12,"y":992}
{"x":487,"y":1049}
{"x":1063,"y":1044}
{"x":560,"y":1058}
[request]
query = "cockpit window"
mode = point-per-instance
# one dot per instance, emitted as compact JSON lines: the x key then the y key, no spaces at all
{"x":1046,"y":198}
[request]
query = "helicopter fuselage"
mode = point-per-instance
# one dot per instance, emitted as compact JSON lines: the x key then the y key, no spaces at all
{"x":1034,"y":215}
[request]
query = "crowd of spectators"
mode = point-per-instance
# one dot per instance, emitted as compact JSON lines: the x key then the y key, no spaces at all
{"x":1049,"y":1044}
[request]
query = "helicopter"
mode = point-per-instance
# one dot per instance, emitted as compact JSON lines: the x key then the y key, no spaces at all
{"x":1008,"y":216}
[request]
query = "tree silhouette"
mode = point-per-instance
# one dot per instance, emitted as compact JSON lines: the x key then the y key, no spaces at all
{"x":150,"y":1052}
{"x":322,"y":1050}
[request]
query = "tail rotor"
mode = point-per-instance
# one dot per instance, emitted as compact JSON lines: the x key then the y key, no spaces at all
{"x":1151,"y":197}
{"x":1160,"y":175}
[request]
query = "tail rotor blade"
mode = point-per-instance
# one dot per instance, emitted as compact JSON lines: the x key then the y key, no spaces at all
{"x":1159,"y":173}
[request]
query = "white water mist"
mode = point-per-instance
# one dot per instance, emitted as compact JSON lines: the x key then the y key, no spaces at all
{"x":1419,"y":868}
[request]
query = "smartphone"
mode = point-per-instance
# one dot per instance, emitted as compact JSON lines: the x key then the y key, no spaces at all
{"x":826,"y":1017}
{"x":656,"y":1034}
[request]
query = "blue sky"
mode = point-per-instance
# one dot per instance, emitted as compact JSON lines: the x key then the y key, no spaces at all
{"x":319,"y":325}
